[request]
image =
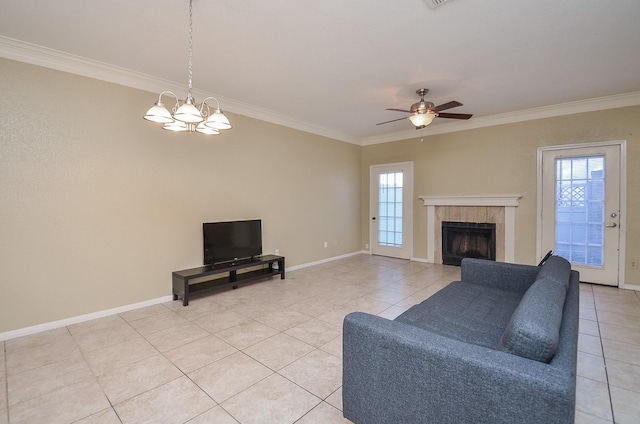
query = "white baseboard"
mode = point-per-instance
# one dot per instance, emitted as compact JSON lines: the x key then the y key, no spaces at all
{"x":81,"y":318}
{"x":631,"y":287}
{"x":101,"y":314}
{"x":423,"y":260}
{"x":324,"y":261}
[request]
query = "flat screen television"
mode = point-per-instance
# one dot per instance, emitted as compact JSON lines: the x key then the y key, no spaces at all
{"x":231,"y":241}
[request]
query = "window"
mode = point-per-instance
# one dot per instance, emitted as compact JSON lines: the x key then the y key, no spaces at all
{"x":390,"y":209}
{"x":580,"y":210}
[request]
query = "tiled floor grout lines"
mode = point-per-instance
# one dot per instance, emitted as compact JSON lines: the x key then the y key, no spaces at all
{"x":604,"y":359}
{"x":271,"y":352}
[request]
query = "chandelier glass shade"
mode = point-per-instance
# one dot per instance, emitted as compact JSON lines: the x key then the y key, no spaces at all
{"x":187,"y":115}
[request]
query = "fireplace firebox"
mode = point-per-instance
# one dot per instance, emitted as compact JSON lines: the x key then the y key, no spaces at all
{"x":467,"y":240}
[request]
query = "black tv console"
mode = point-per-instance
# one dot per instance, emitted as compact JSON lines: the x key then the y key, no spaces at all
{"x":182,"y":288}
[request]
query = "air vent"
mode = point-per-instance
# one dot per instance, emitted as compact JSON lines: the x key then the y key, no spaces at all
{"x":435,"y":3}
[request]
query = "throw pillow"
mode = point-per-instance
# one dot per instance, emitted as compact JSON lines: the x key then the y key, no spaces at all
{"x":534,"y":328}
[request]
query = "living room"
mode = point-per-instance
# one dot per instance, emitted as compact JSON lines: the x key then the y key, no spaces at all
{"x":72,"y":200}
{"x":99,"y":206}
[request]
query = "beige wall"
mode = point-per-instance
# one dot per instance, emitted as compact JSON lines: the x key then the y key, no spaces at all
{"x":502,"y":160}
{"x":98,"y":206}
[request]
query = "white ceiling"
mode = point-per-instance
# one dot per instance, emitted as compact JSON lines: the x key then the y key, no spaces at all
{"x":334,"y":66}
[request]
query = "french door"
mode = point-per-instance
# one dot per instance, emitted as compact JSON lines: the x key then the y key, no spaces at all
{"x":391,"y":210}
{"x":580,"y":214}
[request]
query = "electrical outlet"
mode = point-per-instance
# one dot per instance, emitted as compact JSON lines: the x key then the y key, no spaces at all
{"x":634,"y":264}
{"x":326,"y":244}
{"x":277,"y":251}
{"x":366,"y":246}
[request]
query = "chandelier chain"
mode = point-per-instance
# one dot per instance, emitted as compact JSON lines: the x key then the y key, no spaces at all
{"x":190,"y":44}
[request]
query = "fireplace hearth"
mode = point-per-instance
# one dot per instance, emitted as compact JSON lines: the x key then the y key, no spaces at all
{"x":467,"y":240}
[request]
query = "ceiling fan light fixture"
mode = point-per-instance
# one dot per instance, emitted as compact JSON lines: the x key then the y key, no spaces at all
{"x":422,"y":119}
{"x":423,"y":112}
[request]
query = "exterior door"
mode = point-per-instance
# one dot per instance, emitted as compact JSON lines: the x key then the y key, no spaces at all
{"x":391,"y":210}
{"x":581,"y":209}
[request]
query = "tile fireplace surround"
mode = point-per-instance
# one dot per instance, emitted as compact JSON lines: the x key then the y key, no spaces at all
{"x":498,"y":209}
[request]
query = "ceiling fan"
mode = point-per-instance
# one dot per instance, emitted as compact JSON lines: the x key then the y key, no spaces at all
{"x":423,"y":112}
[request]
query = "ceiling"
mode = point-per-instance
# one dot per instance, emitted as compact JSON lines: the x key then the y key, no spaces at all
{"x":332,"y":67}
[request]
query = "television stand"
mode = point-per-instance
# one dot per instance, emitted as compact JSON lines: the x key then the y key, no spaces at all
{"x":264,"y":264}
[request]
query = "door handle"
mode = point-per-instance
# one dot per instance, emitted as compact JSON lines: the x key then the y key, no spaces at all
{"x":612,"y":225}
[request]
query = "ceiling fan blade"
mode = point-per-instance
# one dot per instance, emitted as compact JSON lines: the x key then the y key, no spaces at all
{"x":394,"y":120}
{"x":400,"y":110}
{"x":455,"y":115}
{"x":449,"y":105}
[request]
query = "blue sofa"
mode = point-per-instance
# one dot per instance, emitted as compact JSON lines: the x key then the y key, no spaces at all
{"x":499,"y":346}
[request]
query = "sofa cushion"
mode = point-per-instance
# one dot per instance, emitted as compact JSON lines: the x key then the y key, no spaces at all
{"x":557,"y":269}
{"x":466,"y":312}
{"x":534,"y":328}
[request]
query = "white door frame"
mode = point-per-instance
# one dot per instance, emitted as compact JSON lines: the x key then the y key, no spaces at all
{"x":407,"y":200}
{"x":623,"y":198}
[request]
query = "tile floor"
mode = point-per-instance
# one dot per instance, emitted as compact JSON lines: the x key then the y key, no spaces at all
{"x":270,"y":352}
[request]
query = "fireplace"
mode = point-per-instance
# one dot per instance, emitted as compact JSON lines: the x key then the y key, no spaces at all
{"x":499,"y":209}
{"x":467,"y":240}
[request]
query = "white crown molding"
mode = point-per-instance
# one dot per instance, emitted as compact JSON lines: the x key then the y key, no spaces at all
{"x":590,"y":105}
{"x":61,"y":61}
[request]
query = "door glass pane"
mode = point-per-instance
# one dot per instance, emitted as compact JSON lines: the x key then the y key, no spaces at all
{"x":390,"y":207}
{"x":579,"y":220}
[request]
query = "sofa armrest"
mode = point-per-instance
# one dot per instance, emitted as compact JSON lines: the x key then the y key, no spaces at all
{"x":501,"y":275}
{"x":396,"y":373}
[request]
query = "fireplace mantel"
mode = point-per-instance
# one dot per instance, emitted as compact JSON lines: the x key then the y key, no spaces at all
{"x":498,"y":200}
{"x":508,"y":202}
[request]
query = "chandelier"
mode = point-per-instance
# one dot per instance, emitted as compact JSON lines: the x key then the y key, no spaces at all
{"x":187,"y":115}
